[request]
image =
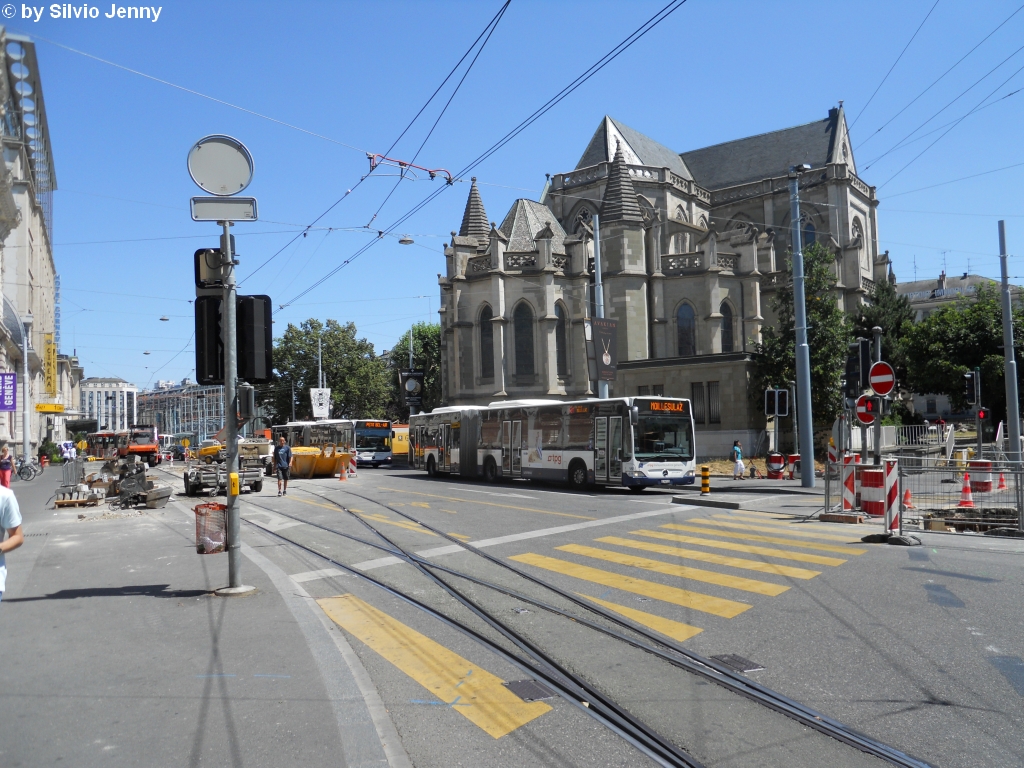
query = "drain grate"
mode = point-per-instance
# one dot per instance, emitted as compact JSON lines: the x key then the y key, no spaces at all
{"x":529,"y":690}
{"x":738,"y":662}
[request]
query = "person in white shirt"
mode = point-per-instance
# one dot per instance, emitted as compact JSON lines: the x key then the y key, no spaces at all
{"x":10,"y":526}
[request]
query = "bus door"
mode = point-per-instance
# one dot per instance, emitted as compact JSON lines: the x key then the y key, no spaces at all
{"x":615,"y":448}
{"x":601,"y":448}
{"x":512,"y":448}
{"x":446,"y":447}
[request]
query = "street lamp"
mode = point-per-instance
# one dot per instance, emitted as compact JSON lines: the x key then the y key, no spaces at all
{"x":26,"y":325}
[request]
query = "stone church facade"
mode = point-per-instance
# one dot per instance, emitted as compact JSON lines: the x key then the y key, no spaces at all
{"x":692,"y":250}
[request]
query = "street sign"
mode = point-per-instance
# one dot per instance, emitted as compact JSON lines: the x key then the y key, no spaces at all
{"x":866,"y":409}
{"x":882,"y":378}
{"x":50,"y":407}
{"x":186,"y":443}
{"x":220,"y":165}
{"x":8,"y":391}
{"x":321,"y":399}
{"x":224,"y":209}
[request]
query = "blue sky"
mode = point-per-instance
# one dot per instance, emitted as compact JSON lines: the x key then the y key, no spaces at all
{"x":356,"y":73}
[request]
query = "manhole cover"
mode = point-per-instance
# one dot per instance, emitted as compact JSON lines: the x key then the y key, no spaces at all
{"x":529,"y":690}
{"x":738,"y":662}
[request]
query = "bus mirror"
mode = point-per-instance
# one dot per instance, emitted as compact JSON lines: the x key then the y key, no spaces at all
{"x":634,"y":415}
{"x":392,"y":434}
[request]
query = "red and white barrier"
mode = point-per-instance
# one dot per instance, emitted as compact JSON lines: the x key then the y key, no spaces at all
{"x":892,"y":497}
{"x":872,"y":491}
{"x":776,"y":465}
{"x":352,"y":466}
{"x":850,"y":460}
{"x":981,"y":475}
{"x":793,"y":459}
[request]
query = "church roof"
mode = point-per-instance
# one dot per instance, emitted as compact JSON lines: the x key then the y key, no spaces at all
{"x":474,"y":220}
{"x":524,"y":222}
{"x":637,"y":149}
{"x":619,"y":203}
{"x":767,"y":155}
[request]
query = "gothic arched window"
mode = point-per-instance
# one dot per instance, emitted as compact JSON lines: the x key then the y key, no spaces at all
{"x":561,"y":355}
{"x":522,"y":327}
{"x":582,"y":219}
{"x":809,"y":234}
{"x":686,"y":328}
{"x":486,"y":343}
{"x":727,"y":337}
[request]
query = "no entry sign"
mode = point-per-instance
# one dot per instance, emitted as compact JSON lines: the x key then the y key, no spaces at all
{"x":866,"y":409}
{"x":882,"y":378}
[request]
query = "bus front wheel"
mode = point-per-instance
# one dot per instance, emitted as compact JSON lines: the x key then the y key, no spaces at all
{"x":490,"y":470}
{"x":578,"y":475}
{"x":431,"y":467}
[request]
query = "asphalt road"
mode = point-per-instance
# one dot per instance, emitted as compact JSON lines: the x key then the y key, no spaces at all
{"x":919,"y":648}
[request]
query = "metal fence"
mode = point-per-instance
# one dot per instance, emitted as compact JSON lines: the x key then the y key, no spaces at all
{"x":957,"y":495}
{"x":74,"y":472}
{"x":919,"y":434}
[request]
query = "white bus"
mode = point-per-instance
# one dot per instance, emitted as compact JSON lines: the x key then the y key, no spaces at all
{"x":373,"y":441}
{"x":630,"y":441}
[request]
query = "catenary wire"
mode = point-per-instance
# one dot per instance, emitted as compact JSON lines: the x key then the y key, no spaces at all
{"x":874,"y":93}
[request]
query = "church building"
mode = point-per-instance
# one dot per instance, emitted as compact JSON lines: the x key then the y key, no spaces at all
{"x":693,"y":247}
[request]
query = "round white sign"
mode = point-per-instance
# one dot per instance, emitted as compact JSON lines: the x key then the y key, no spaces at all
{"x":220,"y":165}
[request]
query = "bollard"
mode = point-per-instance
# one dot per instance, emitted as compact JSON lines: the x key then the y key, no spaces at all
{"x":705,"y":480}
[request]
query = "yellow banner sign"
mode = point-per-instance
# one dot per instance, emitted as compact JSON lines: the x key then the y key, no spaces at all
{"x":50,"y":407}
{"x":50,"y":365}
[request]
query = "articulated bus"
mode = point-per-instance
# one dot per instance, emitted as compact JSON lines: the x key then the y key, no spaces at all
{"x":630,"y":441}
{"x":317,"y":434}
{"x":373,"y":441}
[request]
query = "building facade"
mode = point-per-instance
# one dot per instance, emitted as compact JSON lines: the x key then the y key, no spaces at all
{"x":693,"y":248}
{"x":111,"y":402}
{"x":183,"y":410}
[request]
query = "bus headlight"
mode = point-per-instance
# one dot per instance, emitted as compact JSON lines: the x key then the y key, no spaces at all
{"x":637,"y":473}
{"x":690,"y":473}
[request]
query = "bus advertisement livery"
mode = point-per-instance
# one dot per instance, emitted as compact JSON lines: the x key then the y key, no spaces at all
{"x":630,"y":441}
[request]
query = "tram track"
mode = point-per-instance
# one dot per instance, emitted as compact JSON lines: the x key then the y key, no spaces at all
{"x":566,"y":683}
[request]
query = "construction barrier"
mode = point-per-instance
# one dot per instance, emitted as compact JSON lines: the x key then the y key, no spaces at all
{"x":966,"y":498}
{"x":794,"y":468}
{"x":352,"y":465}
{"x":705,"y":480}
{"x":981,"y":476}
{"x":872,"y":491}
{"x":850,"y":462}
{"x":892,"y":496}
{"x":776,"y":465}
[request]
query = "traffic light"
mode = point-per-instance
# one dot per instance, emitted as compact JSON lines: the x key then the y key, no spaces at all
{"x":253,"y":320}
{"x":972,"y":386}
{"x":209,"y":275}
{"x":872,"y":405}
{"x":782,"y":402}
{"x":858,"y":367}
{"x":209,"y":341}
{"x":982,"y":414}
{"x":769,"y":402}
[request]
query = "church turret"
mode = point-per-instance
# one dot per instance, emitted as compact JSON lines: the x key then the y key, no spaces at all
{"x":619,"y":203}
{"x":474,"y":220}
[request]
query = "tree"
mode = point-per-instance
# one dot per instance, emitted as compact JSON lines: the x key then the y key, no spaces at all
{"x":828,"y":335}
{"x":356,"y":376}
{"x":426,"y":355}
{"x":959,"y":338}
{"x":891,"y":312}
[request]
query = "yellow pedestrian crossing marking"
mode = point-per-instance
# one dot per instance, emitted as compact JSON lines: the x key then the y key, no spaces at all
{"x":421,"y":504}
{"x":766,"y":539}
{"x":783,"y":528}
{"x":684,"y":597}
{"x":459,"y":536}
{"x":473,"y":692}
{"x":673,"y":629}
{"x":681,"y":571}
{"x":709,"y":557}
{"x":748,"y":548}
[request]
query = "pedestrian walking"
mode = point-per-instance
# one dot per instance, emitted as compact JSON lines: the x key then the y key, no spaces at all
{"x":283,"y":465}
{"x":6,"y":467}
{"x":737,"y":457}
{"x":10,"y":526}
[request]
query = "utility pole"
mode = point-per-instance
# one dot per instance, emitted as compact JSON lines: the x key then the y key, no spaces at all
{"x":412,"y":408}
{"x":602,"y":386}
{"x":319,"y":362}
{"x":1009,"y":357}
{"x":293,"y":399}
{"x":878,"y":416}
{"x":803,"y":353}
{"x":26,"y":447}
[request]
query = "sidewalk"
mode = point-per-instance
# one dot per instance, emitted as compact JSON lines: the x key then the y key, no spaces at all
{"x":780,"y":496}
{"x":116,"y":652}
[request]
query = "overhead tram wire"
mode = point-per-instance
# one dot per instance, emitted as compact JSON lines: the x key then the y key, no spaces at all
{"x":976,"y":108}
{"x":488,"y":30}
{"x":940,"y":77}
{"x":600,"y":64}
{"x":948,"y":105}
{"x":864,"y":108}
{"x":954,"y":181}
{"x":387,"y":152}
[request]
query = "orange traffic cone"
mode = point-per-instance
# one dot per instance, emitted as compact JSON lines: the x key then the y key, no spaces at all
{"x":907,"y":500}
{"x":966,"y":500}
{"x":1002,"y":483}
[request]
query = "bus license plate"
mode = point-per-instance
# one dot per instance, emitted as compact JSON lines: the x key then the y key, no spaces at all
{"x":665,"y":482}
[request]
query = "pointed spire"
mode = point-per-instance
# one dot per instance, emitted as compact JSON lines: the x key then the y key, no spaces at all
{"x":619,"y":202}
{"x":474,"y":220}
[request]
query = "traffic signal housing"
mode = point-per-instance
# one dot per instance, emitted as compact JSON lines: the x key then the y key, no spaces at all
{"x":254,"y":335}
{"x":983,"y":414}
{"x":972,"y":383}
{"x":858,"y":367}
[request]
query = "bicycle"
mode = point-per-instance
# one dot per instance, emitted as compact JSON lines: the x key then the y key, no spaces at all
{"x":28,"y":470}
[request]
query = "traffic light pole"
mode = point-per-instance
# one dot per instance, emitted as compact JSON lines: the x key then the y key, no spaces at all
{"x":878,"y":416}
{"x":803,"y":353}
{"x":1009,"y":357}
{"x":229,"y":329}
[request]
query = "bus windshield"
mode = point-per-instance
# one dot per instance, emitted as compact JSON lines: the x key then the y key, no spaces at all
{"x":663,"y":437}
{"x":373,"y":439}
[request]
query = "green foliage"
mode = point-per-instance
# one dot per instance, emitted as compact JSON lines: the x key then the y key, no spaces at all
{"x":892,"y":313}
{"x":426,"y":355}
{"x":356,"y":376}
{"x":828,"y":334}
{"x":958,"y":338}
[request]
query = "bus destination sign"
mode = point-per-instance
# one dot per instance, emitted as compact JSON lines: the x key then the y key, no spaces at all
{"x":663,"y":405}
{"x":376,"y":424}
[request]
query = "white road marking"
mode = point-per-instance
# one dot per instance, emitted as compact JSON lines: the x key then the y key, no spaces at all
{"x":381,"y":562}
{"x":273,"y":522}
{"x":324,"y":573}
